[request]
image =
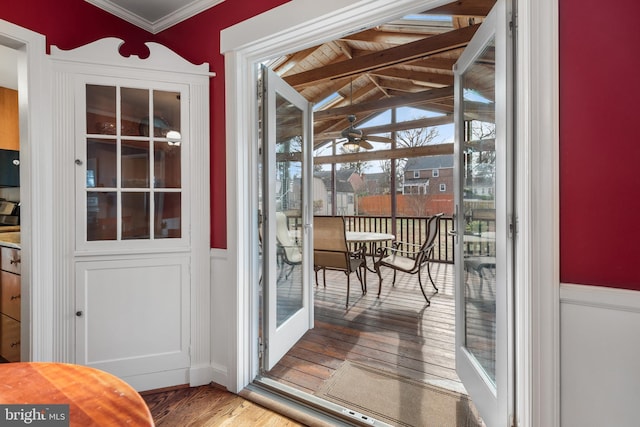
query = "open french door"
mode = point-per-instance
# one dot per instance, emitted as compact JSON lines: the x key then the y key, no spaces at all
{"x":287,"y":234}
{"x":484,"y":221}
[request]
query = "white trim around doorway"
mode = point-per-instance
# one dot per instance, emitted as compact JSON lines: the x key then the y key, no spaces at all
{"x":36,"y":191}
{"x":299,"y":24}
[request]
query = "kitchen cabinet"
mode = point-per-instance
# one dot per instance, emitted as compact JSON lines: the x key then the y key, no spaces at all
{"x":9,"y":168}
{"x":9,"y":122}
{"x":10,"y":297}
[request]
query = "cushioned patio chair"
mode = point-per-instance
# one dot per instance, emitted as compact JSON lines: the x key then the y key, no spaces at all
{"x":288,"y":251}
{"x":412,"y":260}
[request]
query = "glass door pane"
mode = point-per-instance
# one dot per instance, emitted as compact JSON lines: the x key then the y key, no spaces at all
{"x":484,"y":200}
{"x":286,"y":191}
{"x":133,"y":164}
{"x":479,"y":219}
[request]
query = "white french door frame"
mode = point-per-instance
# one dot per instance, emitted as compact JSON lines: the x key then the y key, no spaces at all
{"x":298,"y":24}
{"x":494,"y":398}
{"x":279,"y":338}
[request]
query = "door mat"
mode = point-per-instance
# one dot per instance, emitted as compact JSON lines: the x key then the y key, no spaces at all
{"x":397,"y":400}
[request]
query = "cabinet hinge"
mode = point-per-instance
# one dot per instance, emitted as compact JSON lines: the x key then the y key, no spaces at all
{"x":260,"y":350}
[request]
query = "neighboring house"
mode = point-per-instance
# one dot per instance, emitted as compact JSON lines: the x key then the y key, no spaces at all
{"x":428,"y":175}
{"x":345,"y":192}
{"x":377,"y":183}
{"x":583,"y":305}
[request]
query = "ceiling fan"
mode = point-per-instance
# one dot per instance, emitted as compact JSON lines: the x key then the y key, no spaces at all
{"x":357,"y":139}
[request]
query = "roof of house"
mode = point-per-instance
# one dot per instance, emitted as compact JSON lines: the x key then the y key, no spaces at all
{"x":343,"y":185}
{"x":430,"y":162}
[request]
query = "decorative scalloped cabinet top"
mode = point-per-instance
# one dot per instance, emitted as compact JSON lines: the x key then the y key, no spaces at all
{"x":107,"y":51}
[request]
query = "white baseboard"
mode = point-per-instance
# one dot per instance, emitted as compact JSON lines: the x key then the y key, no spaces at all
{"x":220,"y":375}
{"x":158,"y":380}
{"x":200,"y":375}
{"x":599,"y":348}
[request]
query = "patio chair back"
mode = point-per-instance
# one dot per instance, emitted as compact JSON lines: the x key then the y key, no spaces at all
{"x":330,"y":248}
{"x":430,"y":240}
{"x":331,"y":252}
{"x":290,"y":250}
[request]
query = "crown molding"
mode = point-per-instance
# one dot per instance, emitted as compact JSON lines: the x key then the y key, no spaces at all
{"x":187,"y":11}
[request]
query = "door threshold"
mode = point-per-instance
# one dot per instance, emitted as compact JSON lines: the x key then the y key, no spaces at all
{"x":303,"y":407}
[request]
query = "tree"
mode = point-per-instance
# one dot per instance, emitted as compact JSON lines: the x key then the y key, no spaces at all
{"x":358,"y":167}
{"x":411,"y":138}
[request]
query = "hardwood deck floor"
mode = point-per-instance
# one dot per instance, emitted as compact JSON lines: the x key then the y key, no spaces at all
{"x":396,"y":332}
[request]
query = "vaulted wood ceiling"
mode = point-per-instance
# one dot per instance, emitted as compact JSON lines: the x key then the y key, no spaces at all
{"x":407,"y":62}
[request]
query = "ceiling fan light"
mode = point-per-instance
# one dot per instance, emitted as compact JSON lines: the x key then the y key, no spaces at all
{"x":351,"y":145}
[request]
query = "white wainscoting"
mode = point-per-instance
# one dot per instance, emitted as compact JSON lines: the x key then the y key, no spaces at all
{"x":221,"y":311}
{"x":599,"y":356}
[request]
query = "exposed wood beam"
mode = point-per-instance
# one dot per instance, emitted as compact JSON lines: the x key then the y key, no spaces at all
{"x":399,"y":85}
{"x":393,"y":127}
{"x":384,"y":104}
{"x":464,"y":8}
{"x":384,"y":37}
{"x":366,"y":156}
{"x":432,"y":78}
{"x":294,"y":59}
{"x":384,"y":58}
{"x":374,"y":80}
{"x":445,"y":64}
{"x":398,"y":153}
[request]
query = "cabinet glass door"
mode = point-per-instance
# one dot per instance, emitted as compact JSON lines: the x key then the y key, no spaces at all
{"x":133,"y":171}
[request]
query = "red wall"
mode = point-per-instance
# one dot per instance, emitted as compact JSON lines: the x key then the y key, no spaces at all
{"x":599,"y":91}
{"x":198,"y":40}
{"x":72,"y":23}
{"x":599,"y":146}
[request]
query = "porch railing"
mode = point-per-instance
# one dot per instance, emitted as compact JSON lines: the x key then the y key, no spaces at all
{"x":411,"y":230}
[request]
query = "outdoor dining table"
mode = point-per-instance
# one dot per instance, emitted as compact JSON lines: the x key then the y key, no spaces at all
{"x":363,"y":238}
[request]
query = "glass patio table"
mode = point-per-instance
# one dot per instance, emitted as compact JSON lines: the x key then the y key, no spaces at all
{"x":363,"y":238}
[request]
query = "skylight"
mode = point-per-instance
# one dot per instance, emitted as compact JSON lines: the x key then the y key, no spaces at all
{"x":475,"y":96}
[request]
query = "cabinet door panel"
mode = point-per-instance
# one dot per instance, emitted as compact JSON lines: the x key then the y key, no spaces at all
{"x":10,"y":294}
{"x":9,"y":338}
{"x":10,"y":259}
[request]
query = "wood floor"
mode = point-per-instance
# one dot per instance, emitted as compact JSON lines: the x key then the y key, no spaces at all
{"x":396,"y":332}
{"x":208,"y":406}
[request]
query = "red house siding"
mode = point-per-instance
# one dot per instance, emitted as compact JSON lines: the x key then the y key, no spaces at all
{"x":599,"y":151}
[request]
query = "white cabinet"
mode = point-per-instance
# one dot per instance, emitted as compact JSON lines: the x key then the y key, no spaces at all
{"x":132,"y":139}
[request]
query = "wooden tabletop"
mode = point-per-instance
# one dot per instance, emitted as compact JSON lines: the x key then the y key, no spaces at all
{"x":95,"y":398}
